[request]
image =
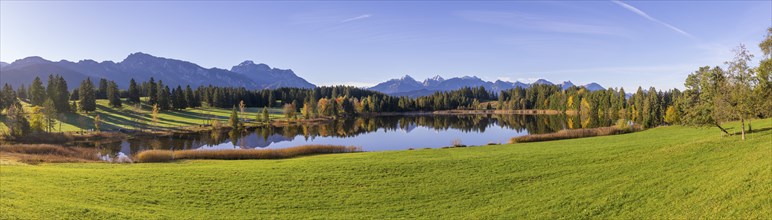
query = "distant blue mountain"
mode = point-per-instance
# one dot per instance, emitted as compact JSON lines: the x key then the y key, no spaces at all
{"x":407,"y":86}
{"x":142,"y":67}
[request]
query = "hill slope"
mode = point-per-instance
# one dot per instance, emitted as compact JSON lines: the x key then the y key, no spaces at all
{"x":666,"y":172}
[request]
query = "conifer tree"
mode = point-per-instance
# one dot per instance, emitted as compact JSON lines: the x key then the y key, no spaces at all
{"x":37,"y":92}
{"x":87,"y":101}
{"x":101,"y":92}
{"x":133,"y":92}
{"x":113,"y":95}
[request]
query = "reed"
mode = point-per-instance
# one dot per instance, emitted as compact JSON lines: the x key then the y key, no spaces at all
{"x":37,"y":153}
{"x":63,"y":137}
{"x":574,"y":133}
{"x":240,"y":154}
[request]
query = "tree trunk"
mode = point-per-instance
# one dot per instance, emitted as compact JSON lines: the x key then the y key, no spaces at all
{"x":742,"y":121}
{"x":722,"y":129}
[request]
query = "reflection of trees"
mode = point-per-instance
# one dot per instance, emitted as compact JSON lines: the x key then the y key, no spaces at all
{"x":264,"y":136}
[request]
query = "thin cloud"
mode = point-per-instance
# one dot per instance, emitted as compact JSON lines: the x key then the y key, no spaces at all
{"x":644,"y":15}
{"x":356,"y":18}
{"x":535,"y":22}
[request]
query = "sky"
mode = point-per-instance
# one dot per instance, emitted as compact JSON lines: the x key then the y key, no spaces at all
{"x":614,"y":43}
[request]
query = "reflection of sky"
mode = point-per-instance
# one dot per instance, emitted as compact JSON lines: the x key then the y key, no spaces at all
{"x":418,"y":137}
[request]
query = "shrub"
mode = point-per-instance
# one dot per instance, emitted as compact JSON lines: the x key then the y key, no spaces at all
{"x":155,"y":156}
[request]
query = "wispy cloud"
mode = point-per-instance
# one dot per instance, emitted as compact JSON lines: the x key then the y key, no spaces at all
{"x":540,"y":23}
{"x":648,"y":17}
{"x":356,"y":18}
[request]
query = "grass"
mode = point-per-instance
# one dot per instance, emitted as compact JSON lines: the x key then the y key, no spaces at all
{"x":38,"y":153}
{"x":238,"y":154}
{"x":573,"y":133}
{"x":669,"y":172}
{"x":133,"y":117}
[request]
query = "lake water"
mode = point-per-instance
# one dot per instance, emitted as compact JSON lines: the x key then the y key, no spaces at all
{"x":371,"y":133}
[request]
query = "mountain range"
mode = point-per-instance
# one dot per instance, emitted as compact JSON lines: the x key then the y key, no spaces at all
{"x":407,"y":86}
{"x":142,"y":67}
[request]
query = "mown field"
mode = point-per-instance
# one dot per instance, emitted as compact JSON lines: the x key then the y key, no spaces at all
{"x":140,"y":117}
{"x":665,"y":172}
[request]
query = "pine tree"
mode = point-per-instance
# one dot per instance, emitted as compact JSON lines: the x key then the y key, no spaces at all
{"x":101,"y":92}
{"x":163,"y":96}
{"x":7,"y":97}
{"x":190,"y":98}
{"x":87,"y":101}
{"x":113,"y":95}
{"x":22,"y":93}
{"x":133,"y":93}
{"x":37,"y":92}
{"x":62,"y":99}
{"x":75,"y":95}
{"x":152,"y":92}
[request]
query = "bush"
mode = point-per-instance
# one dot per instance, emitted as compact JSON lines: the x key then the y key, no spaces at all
{"x":155,"y":156}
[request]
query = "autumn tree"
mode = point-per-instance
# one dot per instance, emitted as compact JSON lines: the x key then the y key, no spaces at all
{"x":233,"y":121}
{"x":266,"y":116}
{"x":671,"y":115}
{"x":18,"y":125}
{"x":36,"y":119}
{"x":49,"y":114}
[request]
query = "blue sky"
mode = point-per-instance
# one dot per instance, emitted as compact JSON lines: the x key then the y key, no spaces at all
{"x":629,"y":43}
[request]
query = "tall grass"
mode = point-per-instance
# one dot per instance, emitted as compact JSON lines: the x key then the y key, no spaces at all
{"x":574,"y":133}
{"x":63,"y":137}
{"x":37,"y":153}
{"x":239,"y":154}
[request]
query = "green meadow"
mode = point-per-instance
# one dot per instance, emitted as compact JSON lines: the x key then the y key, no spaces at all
{"x":665,"y":172}
{"x":131,"y":116}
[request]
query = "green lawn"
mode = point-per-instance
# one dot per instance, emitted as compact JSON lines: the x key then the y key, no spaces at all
{"x":133,"y":117}
{"x":666,"y":172}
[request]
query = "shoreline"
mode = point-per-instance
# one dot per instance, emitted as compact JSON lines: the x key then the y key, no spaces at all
{"x":122,"y":134}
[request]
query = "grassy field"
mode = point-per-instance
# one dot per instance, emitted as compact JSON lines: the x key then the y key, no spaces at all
{"x":133,"y":117}
{"x":665,"y":172}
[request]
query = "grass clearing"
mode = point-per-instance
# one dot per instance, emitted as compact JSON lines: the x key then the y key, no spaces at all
{"x":131,"y":116}
{"x":665,"y":172}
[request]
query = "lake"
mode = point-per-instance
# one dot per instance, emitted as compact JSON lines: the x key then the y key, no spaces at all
{"x":377,"y":133}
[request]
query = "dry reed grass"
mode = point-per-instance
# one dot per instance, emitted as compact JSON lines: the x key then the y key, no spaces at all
{"x":38,"y":153}
{"x":239,"y":154}
{"x":574,"y":133}
{"x":64,"y":137}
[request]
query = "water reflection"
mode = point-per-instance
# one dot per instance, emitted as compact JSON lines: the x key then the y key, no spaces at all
{"x":371,"y":133}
